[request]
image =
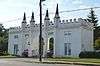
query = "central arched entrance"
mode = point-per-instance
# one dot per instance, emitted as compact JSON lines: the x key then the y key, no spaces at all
{"x":51,"y":47}
{"x":51,"y":43}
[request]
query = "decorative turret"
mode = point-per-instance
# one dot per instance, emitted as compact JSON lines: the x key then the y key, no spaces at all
{"x":57,"y":17}
{"x":24,"y":23}
{"x":32,"y":22}
{"x":46,"y":19}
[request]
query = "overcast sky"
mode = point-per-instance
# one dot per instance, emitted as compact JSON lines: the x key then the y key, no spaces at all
{"x":11,"y":10}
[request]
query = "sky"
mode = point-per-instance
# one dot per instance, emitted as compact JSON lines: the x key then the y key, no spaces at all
{"x":11,"y":11}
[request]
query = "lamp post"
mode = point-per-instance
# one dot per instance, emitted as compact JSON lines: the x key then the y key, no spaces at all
{"x":40,"y":36}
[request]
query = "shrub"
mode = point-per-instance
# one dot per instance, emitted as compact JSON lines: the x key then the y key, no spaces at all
{"x":89,"y":54}
{"x":3,"y":54}
{"x":25,"y":54}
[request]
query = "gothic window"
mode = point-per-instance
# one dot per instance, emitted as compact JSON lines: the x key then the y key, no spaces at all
{"x":67,"y":36}
{"x":67,"y":39}
{"x":67,"y":33}
{"x":15,"y":49}
{"x":16,"y":36}
{"x":28,"y":43}
{"x":67,"y":48}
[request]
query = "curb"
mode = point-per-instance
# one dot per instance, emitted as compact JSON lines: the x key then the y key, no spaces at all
{"x":72,"y":63}
{"x":53,"y":62}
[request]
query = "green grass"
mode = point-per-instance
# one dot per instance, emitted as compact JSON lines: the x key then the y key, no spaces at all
{"x":9,"y":56}
{"x":85,"y":60}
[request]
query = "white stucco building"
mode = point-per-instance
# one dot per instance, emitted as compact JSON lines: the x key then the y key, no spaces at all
{"x":68,"y":37}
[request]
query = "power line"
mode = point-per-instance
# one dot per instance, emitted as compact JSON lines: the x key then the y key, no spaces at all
{"x":59,"y":12}
{"x":76,"y":10}
{"x":79,"y":9}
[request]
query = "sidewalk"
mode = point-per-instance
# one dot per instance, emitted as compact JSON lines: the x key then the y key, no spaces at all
{"x":46,"y":61}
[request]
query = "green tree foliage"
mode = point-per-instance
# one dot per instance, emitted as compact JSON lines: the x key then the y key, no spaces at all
{"x":97,"y":32}
{"x":93,"y":19}
{"x":97,"y":43}
{"x":3,"y":39}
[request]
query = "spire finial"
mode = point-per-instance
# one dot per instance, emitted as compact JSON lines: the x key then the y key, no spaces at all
{"x":32,"y":17}
{"x":57,"y":11}
{"x":47,"y":15}
{"x":24,"y":18}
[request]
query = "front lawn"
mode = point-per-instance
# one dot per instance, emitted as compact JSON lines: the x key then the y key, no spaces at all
{"x":85,"y":60}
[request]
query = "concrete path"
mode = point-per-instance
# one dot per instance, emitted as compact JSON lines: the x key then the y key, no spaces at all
{"x":26,"y":62}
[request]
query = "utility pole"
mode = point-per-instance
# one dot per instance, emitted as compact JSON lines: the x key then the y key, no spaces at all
{"x":40,"y":36}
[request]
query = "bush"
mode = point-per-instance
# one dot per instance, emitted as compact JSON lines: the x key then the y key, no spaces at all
{"x":89,"y":54}
{"x":3,"y":54}
{"x":25,"y":54}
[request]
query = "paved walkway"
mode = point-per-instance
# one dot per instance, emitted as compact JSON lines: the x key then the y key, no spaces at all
{"x":46,"y":61}
{"x":24,"y":62}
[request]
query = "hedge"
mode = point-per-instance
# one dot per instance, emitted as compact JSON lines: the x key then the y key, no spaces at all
{"x":89,"y":54}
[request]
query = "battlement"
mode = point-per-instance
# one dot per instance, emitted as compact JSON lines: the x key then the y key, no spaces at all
{"x":15,"y":29}
{"x":70,"y":22}
{"x":51,"y":24}
{"x":75,"y":23}
{"x":37,"y":25}
{"x":79,"y":20}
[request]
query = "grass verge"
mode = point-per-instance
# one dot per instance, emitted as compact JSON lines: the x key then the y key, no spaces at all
{"x":77,"y":60}
{"x":8,"y":56}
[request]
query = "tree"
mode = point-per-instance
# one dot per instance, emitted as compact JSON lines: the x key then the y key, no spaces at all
{"x":3,"y":39}
{"x":97,"y":43}
{"x":93,"y":19}
{"x":97,"y":32}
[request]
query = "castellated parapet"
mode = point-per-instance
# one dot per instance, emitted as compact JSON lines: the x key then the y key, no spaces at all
{"x":62,"y":24}
{"x":15,"y":29}
{"x":72,"y":23}
{"x":27,"y":28}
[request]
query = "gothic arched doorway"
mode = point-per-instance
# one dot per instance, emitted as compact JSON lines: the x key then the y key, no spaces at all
{"x":51,"y":46}
{"x":51,"y":43}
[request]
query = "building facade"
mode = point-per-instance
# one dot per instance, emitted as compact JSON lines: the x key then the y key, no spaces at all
{"x":61,"y":37}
